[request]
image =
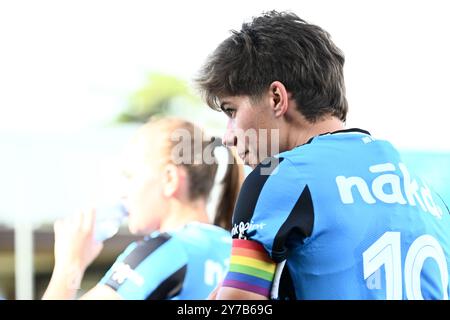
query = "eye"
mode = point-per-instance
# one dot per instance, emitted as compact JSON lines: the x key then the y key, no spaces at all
{"x":229,"y":112}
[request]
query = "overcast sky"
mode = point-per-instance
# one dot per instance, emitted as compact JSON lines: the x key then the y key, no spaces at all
{"x":67,"y":65}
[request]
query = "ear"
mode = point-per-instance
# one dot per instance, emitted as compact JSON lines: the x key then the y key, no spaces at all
{"x":173,"y":178}
{"x":279,"y":98}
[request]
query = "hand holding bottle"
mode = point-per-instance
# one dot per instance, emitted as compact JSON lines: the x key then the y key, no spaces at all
{"x":75,"y":249}
{"x":75,"y":246}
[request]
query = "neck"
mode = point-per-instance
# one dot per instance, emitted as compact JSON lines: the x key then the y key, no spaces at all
{"x":181,"y":213}
{"x":300,"y":134}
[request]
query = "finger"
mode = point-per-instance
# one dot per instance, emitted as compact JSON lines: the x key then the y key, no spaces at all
{"x":89,"y":222}
{"x":93,"y":218}
{"x":74,"y":221}
{"x":84,"y":226}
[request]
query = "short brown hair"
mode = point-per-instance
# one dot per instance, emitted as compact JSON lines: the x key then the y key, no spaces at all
{"x":278,"y":47}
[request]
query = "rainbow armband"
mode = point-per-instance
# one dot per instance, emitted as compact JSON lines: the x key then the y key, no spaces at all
{"x":251,"y":269}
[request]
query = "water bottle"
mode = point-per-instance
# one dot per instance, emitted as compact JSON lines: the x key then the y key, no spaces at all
{"x":108,"y":220}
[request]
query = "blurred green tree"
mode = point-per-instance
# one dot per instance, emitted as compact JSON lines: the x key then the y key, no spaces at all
{"x":161,"y":95}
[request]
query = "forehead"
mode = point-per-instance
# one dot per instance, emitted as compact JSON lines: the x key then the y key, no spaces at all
{"x":142,"y":151}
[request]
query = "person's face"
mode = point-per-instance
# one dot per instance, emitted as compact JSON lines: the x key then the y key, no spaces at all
{"x":249,"y":128}
{"x":143,"y":191}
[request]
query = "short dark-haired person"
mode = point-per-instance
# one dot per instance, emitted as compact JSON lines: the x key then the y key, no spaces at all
{"x":332,"y":213}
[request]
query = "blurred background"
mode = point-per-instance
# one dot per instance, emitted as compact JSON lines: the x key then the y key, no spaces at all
{"x":78,"y":77}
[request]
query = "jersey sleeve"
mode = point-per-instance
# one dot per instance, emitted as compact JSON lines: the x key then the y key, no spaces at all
{"x":154,"y":268}
{"x":273,"y":211}
{"x":274,"y":208}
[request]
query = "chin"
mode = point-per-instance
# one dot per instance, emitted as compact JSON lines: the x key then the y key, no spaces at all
{"x":133,"y":229}
{"x":251,"y":164}
{"x":140,"y":230}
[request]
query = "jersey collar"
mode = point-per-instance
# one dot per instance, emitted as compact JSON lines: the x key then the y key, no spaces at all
{"x":351,"y":130}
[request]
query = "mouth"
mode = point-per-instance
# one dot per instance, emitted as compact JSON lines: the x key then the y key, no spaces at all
{"x":243,"y":155}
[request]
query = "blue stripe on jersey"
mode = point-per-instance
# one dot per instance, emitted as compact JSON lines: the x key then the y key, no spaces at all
{"x":156,"y":268}
{"x":198,"y":248}
{"x":282,"y":184}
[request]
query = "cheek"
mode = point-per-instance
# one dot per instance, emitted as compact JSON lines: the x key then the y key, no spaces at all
{"x":244,"y":126}
{"x":143,"y":203}
{"x":243,"y":121}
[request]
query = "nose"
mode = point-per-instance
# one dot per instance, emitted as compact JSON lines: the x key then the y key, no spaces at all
{"x":229,"y":138}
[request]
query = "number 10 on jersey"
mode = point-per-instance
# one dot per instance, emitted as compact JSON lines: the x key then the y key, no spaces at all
{"x":387,"y":251}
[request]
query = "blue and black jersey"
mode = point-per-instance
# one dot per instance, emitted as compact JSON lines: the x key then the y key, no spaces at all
{"x":350,"y":221}
{"x":185,"y":264}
